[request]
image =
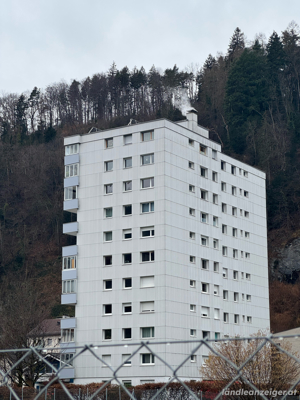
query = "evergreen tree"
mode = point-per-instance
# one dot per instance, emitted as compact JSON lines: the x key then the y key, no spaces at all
{"x":236,"y":45}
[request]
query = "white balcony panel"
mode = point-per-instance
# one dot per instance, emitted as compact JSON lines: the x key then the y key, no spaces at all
{"x":73,"y":181}
{"x":71,"y":228}
{"x":73,"y":159}
{"x":67,"y":373}
{"x":69,"y":251}
{"x":68,"y":274}
{"x":70,"y":298}
{"x":71,"y":205}
{"x":67,"y":323}
{"x":67,"y":347}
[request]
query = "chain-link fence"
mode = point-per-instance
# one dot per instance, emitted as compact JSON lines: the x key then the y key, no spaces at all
{"x":261,"y":367}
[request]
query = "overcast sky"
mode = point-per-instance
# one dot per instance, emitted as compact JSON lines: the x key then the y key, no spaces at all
{"x":46,"y":41}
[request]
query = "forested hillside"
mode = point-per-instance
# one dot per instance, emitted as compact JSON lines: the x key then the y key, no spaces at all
{"x":249,"y":99}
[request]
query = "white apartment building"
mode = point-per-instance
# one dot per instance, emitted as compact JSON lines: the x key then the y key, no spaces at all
{"x":171,"y":245}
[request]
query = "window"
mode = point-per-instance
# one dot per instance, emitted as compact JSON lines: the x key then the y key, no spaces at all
{"x":127,"y":258}
{"x":147,"y":231}
{"x":106,"y":334}
{"x":147,"y":136}
{"x":147,"y":332}
{"x":214,"y":154}
{"x":215,"y":198}
{"x":204,"y":218}
{"x":217,"y":335}
{"x":71,"y":193}
{"x":204,"y":312}
{"x":233,"y":170}
{"x":216,"y":290}
{"x":127,"y":283}
{"x":127,"y":139}
{"x":248,"y":276}
{"x":127,"y":162}
{"x":204,"y":194}
{"x":71,"y":149}
{"x":147,"y":306}
{"x":246,"y":194}
{"x":246,"y":214}
{"x":224,"y":251}
{"x":204,"y":287}
{"x":147,"y":183}
{"x":107,"y":309}
{"x":215,"y":221}
{"x":193,"y":358}
{"x":216,"y":313}
{"x":223,"y":165}
{"x":192,"y":235}
{"x":225,"y":294}
{"x":191,"y":165}
{"x":247,"y":235}
{"x":215,"y":243}
{"x":107,"y":260}
{"x":192,"y":212}
{"x":147,"y":358}
{"x":127,"y":186}
{"x":245,"y":174}
{"x":249,"y":320}
{"x":125,"y":361}
{"x":234,"y":211}
{"x":67,"y":358}
{"x":224,"y":208}
{"x":147,"y":281}
{"x":192,"y":188}
{"x":109,"y":143}
{"x":235,"y":275}
{"x":234,"y":232}
{"x":216,"y":266}
{"x":108,"y":166}
{"x":147,"y":159}
{"x":235,"y":297}
{"x":191,"y":142}
{"x":241,"y":212}
{"x":205,"y":334}
{"x":236,"y":318}
{"x":203,"y":172}
{"x":69,"y":262}
{"x":204,"y":240}
{"x":225,"y":317}
{"x":67,"y":335}
{"x":223,"y":186}
{"x":204,"y":264}
{"x":247,"y":255}
{"x":108,"y":236}
{"x":147,"y":256}
{"x":69,"y":286}
{"x":127,"y":308}
{"x":108,"y":189}
{"x":248,"y":297}
{"x":242,"y":275}
{"x":192,"y":283}
{"x":225,"y":273}
{"x":202,"y":149}
{"x":224,"y":229}
{"x":233,"y":190}
{"x":71,"y":170}
{"x":127,"y":210}
{"x":193,"y":332}
{"x":126,"y":333}
{"x":193,"y":307}
{"x":192,"y":259}
{"x":243,"y":296}
{"x":127,"y":234}
{"x":108,"y":212}
{"x":147,"y":207}
{"x":235,"y":253}
{"x":107,"y":284}
{"x":214,"y":176}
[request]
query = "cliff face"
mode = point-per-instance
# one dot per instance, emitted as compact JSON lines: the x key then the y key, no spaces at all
{"x":286,"y":266}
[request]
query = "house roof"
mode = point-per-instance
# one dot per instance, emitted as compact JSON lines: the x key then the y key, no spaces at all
{"x":295,"y":331}
{"x":48,"y":327}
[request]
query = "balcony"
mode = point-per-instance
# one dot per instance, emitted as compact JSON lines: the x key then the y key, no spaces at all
{"x":68,"y":274}
{"x":69,"y":251}
{"x":67,"y":373}
{"x":69,"y":298}
{"x":71,"y":205}
{"x":67,"y":347}
{"x":70,"y":228}
{"x":68,"y":323}
{"x":72,"y":181}
{"x":72,"y":159}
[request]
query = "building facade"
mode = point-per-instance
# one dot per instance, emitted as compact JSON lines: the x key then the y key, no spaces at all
{"x":171,"y":245}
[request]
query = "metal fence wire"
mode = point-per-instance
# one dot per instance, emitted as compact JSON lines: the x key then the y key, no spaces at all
{"x":257,"y":367}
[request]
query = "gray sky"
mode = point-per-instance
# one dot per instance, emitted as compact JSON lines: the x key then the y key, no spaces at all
{"x":46,"y":41}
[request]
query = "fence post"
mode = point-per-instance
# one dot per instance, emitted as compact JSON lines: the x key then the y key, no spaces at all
{"x":46,"y":394}
{"x":87,"y":392}
{"x":106,"y":394}
{"x":201,"y":394}
{"x":22,"y":391}
{"x":79,"y":394}
{"x":119,"y":392}
{"x":9,"y":395}
{"x":54,"y":394}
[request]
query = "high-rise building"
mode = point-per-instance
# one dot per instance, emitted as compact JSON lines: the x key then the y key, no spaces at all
{"x":171,"y":245}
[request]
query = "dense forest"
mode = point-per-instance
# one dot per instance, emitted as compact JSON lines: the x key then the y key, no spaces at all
{"x":250,"y":101}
